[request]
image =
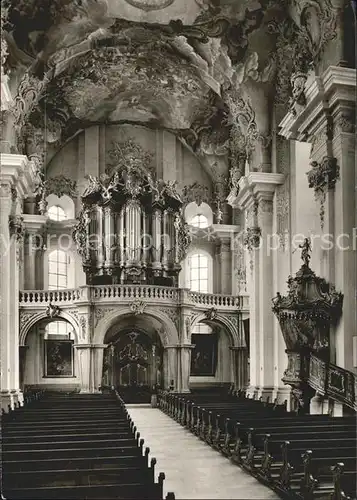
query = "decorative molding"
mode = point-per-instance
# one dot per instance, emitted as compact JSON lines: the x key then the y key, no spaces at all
{"x":172,"y":313}
{"x":196,"y":192}
{"x":283,"y":212}
{"x":60,"y":186}
{"x":211,"y":314}
{"x":251,"y":238}
{"x":129,"y":156}
{"x":25,"y":318}
{"x":100,"y":312}
{"x":83,"y":325}
{"x":52,"y":311}
{"x":16,"y":226}
{"x":138,"y":307}
{"x":240,"y":263}
{"x":265,"y":206}
{"x":322,"y":177}
{"x":346,"y":122}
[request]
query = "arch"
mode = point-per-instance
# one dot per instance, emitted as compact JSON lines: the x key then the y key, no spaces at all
{"x":192,"y":209}
{"x":36,"y":318}
{"x":236,"y":338}
{"x":168,"y":334}
{"x":64,"y":202}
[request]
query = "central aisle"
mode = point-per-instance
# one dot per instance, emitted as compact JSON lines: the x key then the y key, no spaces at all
{"x":193,"y":469}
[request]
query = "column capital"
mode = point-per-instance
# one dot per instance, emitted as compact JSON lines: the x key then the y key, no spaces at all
{"x":34,"y":223}
{"x":19,"y":172}
{"x":254,"y":187}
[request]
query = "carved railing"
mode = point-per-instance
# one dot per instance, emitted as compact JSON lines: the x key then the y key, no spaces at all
{"x":134,"y":292}
{"x":333,"y":381}
{"x":46,"y":296}
{"x":217,"y":300}
{"x":129,"y":293}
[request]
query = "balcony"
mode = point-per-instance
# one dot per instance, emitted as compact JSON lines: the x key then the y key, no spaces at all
{"x":154,"y":295}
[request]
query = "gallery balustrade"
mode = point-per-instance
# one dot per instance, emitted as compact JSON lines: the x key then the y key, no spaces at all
{"x":127,"y":293}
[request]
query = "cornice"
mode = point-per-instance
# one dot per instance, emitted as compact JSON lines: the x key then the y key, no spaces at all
{"x":33,"y":221}
{"x":19,"y":172}
{"x":326,"y":92}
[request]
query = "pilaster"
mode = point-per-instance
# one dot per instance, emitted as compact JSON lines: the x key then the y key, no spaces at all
{"x":33,"y":225}
{"x":256,"y":196}
{"x":17,"y":177}
{"x":171,"y":367}
{"x":185,"y":367}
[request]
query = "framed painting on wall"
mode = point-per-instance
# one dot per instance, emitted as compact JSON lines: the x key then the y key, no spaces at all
{"x":58,"y":358}
{"x":204,"y":355}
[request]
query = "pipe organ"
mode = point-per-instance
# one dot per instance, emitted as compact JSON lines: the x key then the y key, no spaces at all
{"x":131,"y":229}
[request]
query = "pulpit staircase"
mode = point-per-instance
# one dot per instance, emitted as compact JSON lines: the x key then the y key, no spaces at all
{"x":73,"y":446}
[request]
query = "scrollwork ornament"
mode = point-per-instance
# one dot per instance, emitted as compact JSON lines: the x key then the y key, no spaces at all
{"x":322,"y":177}
{"x":251,"y":238}
{"x":346,"y":122}
{"x":196,"y":192}
{"x":52,"y":311}
{"x":137,"y":307}
{"x":100,"y":312}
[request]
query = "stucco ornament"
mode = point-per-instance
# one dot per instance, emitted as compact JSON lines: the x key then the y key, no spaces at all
{"x":52,"y":311}
{"x":137,"y":307}
{"x":322,"y":177}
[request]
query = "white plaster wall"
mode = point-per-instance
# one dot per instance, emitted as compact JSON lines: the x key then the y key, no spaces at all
{"x":223,"y":369}
{"x":34,"y":373}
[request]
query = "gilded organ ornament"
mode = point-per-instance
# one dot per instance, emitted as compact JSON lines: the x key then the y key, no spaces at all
{"x":131,"y":228}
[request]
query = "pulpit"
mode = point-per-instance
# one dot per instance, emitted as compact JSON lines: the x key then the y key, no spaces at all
{"x":305,"y":316}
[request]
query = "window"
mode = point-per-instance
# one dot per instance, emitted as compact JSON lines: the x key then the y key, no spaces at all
{"x":56,"y":213}
{"x":200,"y":221}
{"x":58,"y":328}
{"x":198,"y":266}
{"x":58,"y":270}
{"x":200,"y":216}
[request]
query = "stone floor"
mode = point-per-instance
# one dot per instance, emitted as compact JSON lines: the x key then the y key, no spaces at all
{"x":193,"y":469}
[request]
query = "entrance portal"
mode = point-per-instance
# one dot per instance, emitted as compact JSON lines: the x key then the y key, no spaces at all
{"x":133,"y":364}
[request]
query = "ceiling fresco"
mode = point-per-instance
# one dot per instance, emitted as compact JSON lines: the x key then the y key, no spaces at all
{"x":198,"y":68}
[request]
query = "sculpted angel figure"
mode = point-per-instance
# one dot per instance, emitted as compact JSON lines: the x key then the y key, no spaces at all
{"x":94,"y":186}
{"x":306,"y":251}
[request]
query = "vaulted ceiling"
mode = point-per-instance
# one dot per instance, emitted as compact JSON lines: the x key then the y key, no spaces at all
{"x":176,"y":64}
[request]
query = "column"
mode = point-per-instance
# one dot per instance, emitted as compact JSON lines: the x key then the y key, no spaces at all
{"x":185,"y":358}
{"x":22,"y":361}
{"x":33,"y":244}
{"x":171,"y":369}
{"x":5,"y":208}
{"x":16,"y":180}
{"x":240,"y":367}
{"x":97,"y":366}
{"x":84,"y":368}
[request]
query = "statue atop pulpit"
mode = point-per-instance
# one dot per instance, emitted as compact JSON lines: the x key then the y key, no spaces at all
{"x":306,"y":251}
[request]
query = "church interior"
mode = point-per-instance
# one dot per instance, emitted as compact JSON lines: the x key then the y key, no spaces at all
{"x":178,"y":222}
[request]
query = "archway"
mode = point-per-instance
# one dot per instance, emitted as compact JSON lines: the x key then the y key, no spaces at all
{"x":133,"y":358}
{"x":48,"y":357}
{"x":220,"y":355}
